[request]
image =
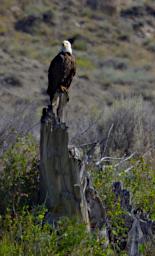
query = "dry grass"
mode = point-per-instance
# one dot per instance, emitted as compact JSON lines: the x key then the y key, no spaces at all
{"x":17,"y":125}
{"x":133,"y":123}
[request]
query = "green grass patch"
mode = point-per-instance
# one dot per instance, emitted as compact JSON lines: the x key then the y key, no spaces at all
{"x":84,"y":62}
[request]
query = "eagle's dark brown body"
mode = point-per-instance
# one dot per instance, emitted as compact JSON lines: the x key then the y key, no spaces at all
{"x":61,"y":72}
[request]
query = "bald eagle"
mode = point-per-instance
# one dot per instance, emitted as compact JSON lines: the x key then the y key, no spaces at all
{"x":61,"y":71}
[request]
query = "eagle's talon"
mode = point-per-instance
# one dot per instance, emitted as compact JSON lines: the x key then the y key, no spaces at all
{"x":64,"y":89}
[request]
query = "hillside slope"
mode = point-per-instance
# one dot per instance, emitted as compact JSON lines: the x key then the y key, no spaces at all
{"x":115,"y":55}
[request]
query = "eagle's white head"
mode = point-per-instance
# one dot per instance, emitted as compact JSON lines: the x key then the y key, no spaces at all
{"x":66,"y":47}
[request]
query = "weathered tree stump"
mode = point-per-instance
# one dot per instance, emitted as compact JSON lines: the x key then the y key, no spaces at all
{"x":62,"y":175}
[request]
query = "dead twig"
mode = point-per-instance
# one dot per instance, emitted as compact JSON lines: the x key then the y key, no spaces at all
{"x":107,"y":140}
{"x":87,"y":129}
{"x":125,"y":159}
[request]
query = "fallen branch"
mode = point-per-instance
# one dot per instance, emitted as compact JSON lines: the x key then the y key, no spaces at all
{"x":109,"y":159}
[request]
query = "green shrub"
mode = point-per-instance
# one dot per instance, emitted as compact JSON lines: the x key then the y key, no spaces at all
{"x":25,"y":235}
{"x":141,"y":183}
{"x":102,"y":181}
{"x":19,"y":178}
